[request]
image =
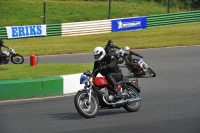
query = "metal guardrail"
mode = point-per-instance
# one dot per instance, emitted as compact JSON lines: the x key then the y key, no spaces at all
{"x":54,"y":30}
{"x":103,"y":26}
{"x":173,"y":18}
{"x":3,"y":33}
{"x":85,"y":28}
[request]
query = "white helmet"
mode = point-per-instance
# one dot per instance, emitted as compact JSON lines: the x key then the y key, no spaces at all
{"x":126,"y":48}
{"x":99,"y":53}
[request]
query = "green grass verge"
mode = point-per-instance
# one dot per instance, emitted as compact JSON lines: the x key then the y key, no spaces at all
{"x":23,"y":71}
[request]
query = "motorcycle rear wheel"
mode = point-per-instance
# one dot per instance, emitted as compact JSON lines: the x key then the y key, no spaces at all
{"x":133,"y":106}
{"x":17,"y":59}
{"x":4,"y":61}
{"x":87,"y":110}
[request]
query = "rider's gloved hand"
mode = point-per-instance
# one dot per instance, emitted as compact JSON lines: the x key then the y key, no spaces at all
{"x":102,"y":67}
{"x":141,"y":57}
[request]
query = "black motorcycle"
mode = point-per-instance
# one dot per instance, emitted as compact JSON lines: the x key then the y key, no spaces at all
{"x":141,"y":68}
{"x":119,"y":54}
{"x":11,"y":55}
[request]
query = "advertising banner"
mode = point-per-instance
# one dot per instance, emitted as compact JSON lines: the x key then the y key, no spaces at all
{"x":125,"y":24}
{"x":26,"y":31}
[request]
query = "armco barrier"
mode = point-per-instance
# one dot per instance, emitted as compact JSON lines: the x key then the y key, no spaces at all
{"x":28,"y":88}
{"x":3,"y":33}
{"x":54,"y":30}
{"x":104,"y":26}
{"x":85,"y":28}
{"x":173,"y":18}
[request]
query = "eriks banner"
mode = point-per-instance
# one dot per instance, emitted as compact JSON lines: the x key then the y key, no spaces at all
{"x":26,"y":31}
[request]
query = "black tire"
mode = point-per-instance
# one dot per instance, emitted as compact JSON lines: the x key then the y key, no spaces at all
{"x":4,"y":61}
{"x":82,"y":106}
{"x":136,"y":74}
{"x":134,"y":106}
{"x":17,"y":59}
{"x":120,"y":60}
{"x":151,"y":72}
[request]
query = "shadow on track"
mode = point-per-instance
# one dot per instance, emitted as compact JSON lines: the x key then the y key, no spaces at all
{"x":77,"y":116}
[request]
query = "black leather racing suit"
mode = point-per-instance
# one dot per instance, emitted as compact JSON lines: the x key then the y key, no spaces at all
{"x":2,"y":55}
{"x":111,"y":70}
{"x":111,"y":49}
{"x":129,"y":60}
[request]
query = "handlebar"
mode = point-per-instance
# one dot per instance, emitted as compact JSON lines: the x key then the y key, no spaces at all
{"x":89,"y":74}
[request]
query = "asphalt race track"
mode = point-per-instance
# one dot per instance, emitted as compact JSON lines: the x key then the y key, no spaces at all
{"x":170,"y":101}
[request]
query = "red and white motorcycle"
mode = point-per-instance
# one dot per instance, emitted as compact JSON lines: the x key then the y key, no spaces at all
{"x":98,"y":93}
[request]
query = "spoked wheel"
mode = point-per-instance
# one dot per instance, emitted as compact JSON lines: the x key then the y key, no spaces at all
{"x":17,"y":59}
{"x":151,"y":72}
{"x":86,"y":109}
{"x":133,"y":106}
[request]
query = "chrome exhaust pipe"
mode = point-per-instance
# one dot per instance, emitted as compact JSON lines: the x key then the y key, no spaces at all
{"x":122,"y":101}
{"x":131,"y":100}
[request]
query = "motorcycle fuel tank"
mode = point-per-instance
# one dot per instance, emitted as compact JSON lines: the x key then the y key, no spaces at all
{"x":100,"y":81}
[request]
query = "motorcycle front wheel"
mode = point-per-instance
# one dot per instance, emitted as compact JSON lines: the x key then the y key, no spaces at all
{"x":133,"y":106}
{"x":120,"y":60}
{"x":86,"y":109}
{"x":17,"y":59}
{"x":151,"y":72}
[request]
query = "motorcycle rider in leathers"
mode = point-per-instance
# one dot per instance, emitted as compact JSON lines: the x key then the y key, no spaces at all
{"x":110,"y":47}
{"x":107,"y":66}
{"x":1,"y":53}
{"x":128,"y":59}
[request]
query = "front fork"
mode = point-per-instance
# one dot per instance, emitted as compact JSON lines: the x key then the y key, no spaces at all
{"x":90,"y":95}
{"x":88,"y":87}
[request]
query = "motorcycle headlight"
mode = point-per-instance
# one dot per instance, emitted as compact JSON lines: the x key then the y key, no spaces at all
{"x":13,"y":51}
{"x":83,"y":79}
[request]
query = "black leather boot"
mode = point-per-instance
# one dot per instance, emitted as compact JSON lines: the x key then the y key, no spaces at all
{"x":118,"y":94}
{"x":113,"y":82}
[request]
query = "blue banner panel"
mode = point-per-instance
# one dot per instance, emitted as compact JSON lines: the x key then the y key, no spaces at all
{"x":125,"y":24}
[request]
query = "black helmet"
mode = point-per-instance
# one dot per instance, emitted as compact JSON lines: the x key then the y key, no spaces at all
{"x":1,"y":41}
{"x":110,"y":43}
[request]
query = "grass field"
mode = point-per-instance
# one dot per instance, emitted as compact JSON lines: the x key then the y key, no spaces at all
{"x":26,"y":12}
